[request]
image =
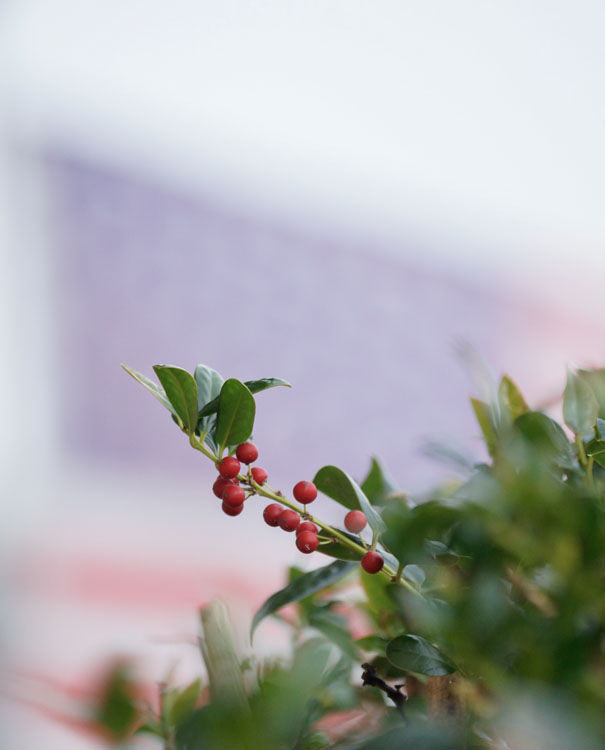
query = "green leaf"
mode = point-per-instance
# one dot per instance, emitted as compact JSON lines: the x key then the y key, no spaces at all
{"x":596,"y":449}
{"x":181,"y":703}
{"x":332,"y":629}
{"x":339,"y":550}
{"x":510,"y":399}
{"x":315,"y":580}
{"x":580,"y":407}
{"x":373,"y":643}
{"x":484,"y":418}
{"x":116,"y":709}
{"x":236,"y":413}
{"x":152,"y":387}
{"x":377,"y":486}
{"x":596,"y":380}
{"x":415,"y":574}
{"x":377,"y":590}
{"x":544,"y":434}
{"x":415,"y":654}
{"x":254,"y":386}
{"x":181,"y":391}
{"x":225,"y":678}
{"x":150,"y":728}
{"x":209,"y":383}
{"x":338,"y":485}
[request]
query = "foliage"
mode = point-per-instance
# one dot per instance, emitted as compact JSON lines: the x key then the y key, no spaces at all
{"x":490,"y":608}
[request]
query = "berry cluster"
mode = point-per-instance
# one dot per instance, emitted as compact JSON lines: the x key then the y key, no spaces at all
{"x":234,"y":489}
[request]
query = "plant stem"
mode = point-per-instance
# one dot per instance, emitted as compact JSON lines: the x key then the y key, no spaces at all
{"x":199,"y":446}
{"x":589,"y":474}
{"x":581,"y":451}
{"x":269,"y":493}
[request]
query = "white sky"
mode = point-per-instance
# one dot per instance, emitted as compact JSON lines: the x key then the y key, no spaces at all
{"x":476,"y":125}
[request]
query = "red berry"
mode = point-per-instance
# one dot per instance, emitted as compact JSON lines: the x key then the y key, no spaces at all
{"x":229,"y":467}
{"x":304,"y":492}
{"x":307,"y":542}
{"x":259,"y":475}
{"x":289,"y":520}
{"x":232,"y":510}
{"x":355,"y":521}
{"x":247,"y":453}
{"x":306,"y":526}
{"x":372,"y":562}
{"x":272,"y":513}
{"x":233,"y":495}
{"x":219,"y":486}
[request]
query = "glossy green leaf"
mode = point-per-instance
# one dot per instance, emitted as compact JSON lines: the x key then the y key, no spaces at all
{"x":413,"y":653}
{"x":377,"y":485}
{"x":339,"y":550}
{"x":315,"y":580}
{"x":236,"y":413}
{"x":209,"y":383}
{"x":580,"y":407}
{"x":510,"y":399}
{"x":547,"y":436}
{"x":338,"y":485}
{"x":181,"y":703}
{"x":152,"y":387}
{"x":254,"y":386}
{"x":484,"y":418}
{"x":181,"y":391}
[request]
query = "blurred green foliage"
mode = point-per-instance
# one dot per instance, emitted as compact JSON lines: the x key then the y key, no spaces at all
{"x":494,"y":618}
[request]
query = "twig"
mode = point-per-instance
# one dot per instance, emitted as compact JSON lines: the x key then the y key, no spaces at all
{"x":369,"y":677}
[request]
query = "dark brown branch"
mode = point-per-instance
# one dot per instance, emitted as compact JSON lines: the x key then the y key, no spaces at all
{"x":369,"y":677}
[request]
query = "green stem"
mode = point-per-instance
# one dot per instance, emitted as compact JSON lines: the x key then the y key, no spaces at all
{"x":388,"y":572}
{"x":399,"y":572}
{"x":581,"y":451}
{"x":589,"y":474}
{"x":199,"y":446}
{"x":269,"y":492}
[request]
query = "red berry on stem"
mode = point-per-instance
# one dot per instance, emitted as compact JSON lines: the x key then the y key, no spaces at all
{"x":272,"y":513}
{"x":247,"y":453}
{"x":289,"y":520}
{"x":233,"y":495}
{"x":305,"y":492}
{"x":372,"y":562}
{"x":259,"y":475}
{"x":232,"y":510}
{"x":306,"y":526}
{"x":219,"y":486}
{"x":355,"y":521}
{"x":229,"y":467}
{"x":307,"y":542}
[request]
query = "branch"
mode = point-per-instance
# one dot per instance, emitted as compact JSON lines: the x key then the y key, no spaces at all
{"x":369,"y":677}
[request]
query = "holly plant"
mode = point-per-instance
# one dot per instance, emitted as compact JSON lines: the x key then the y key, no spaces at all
{"x":484,"y":604}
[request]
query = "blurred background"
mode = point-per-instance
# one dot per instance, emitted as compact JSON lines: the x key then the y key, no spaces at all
{"x":368,"y":200}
